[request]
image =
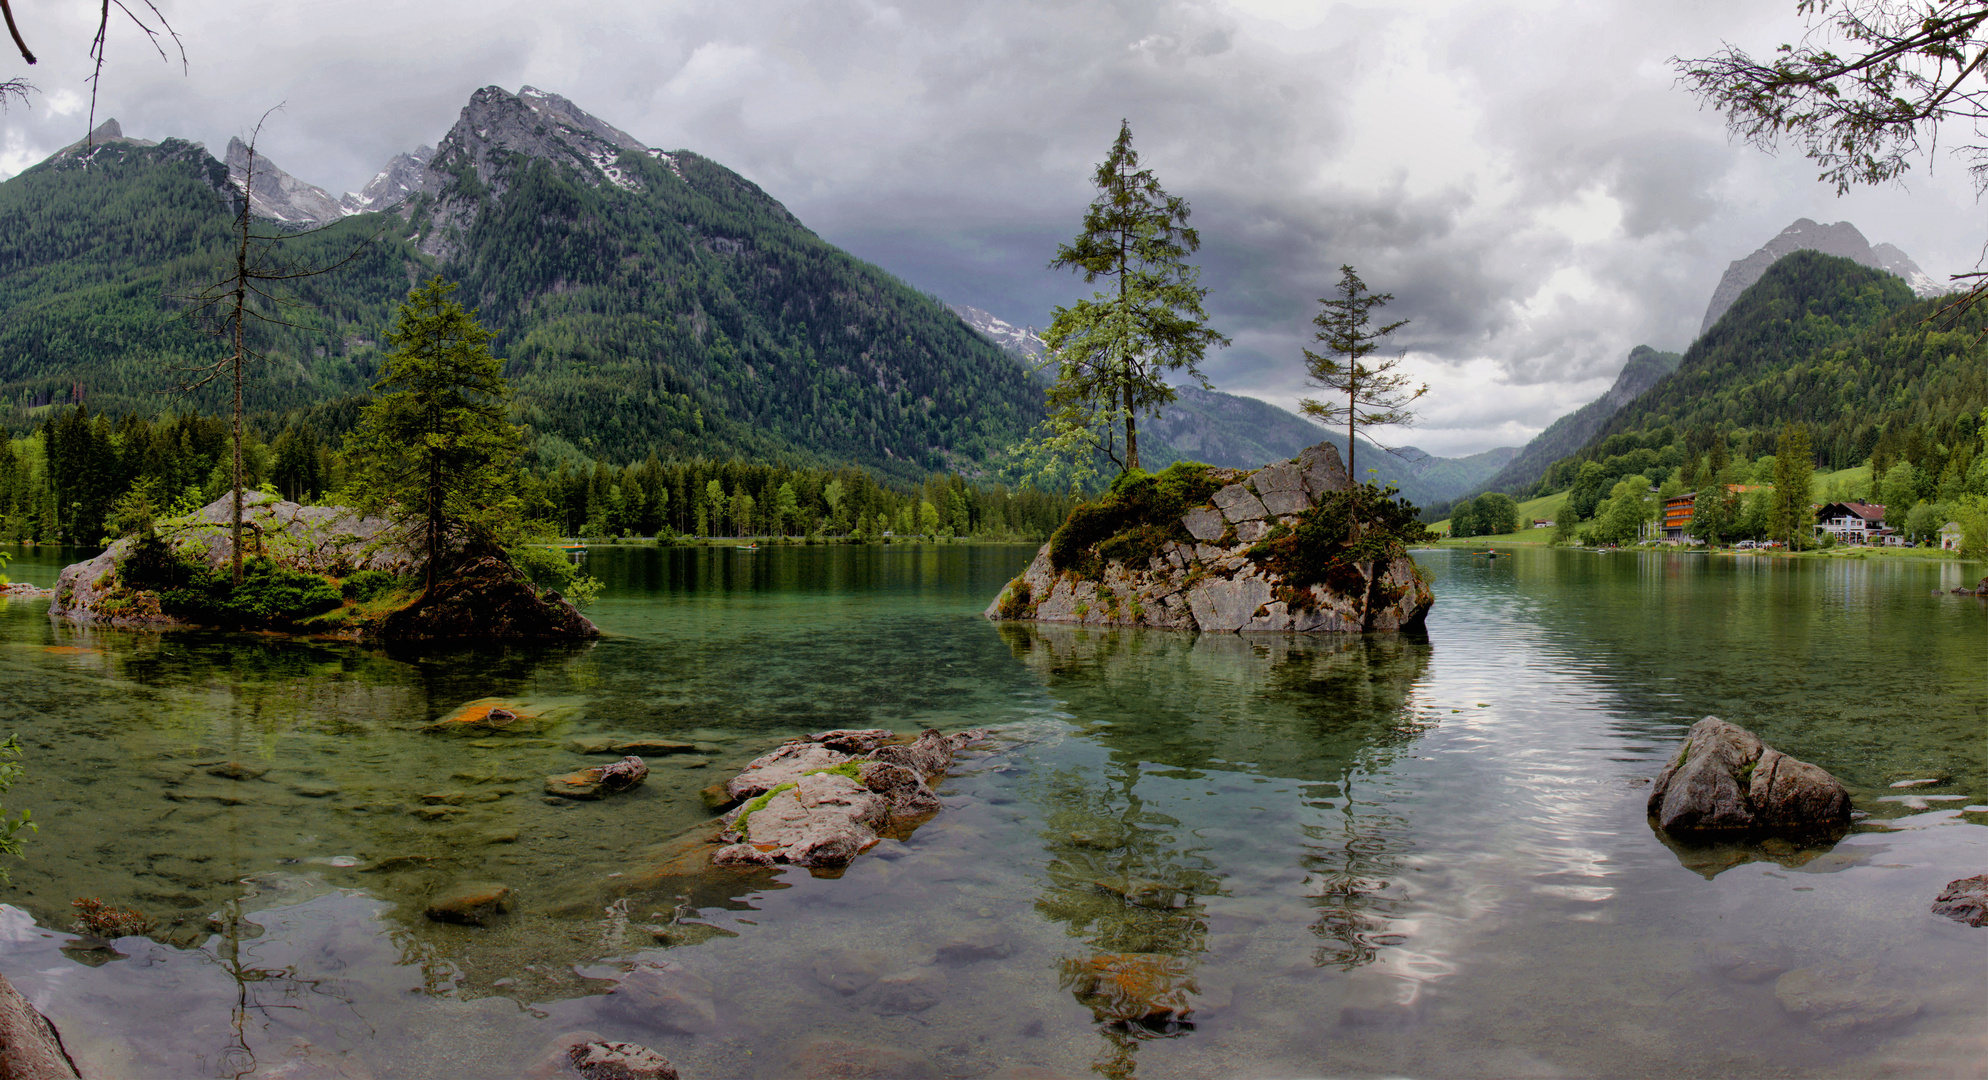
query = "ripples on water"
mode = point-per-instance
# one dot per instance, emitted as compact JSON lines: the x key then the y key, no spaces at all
{"x":1419,"y":855}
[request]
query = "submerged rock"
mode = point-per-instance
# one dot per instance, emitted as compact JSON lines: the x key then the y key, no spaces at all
{"x":470,"y":903}
{"x":619,"y":1061}
{"x":1838,"y":999}
{"x":1964,"y":901}
{"x":665,"y":997}
{"x":1144,"y":989}
{"x":600,"y":780}
{"x":1723,"y":780}
{"x":807,"y":804}
{"x":1228,"y":564}
{"x":842,"y":1059}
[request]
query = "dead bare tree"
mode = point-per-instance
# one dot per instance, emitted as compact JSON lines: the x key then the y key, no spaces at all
{"x":99,"y":49}
{"x":251,"y":292}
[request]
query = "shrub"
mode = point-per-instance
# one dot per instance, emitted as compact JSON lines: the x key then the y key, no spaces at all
{"x":365,"y":586}
{"x":1130,"y":524}
{"x":1016,"y":601}
{"x":1327,"y":549}
{"x":268,"y":595}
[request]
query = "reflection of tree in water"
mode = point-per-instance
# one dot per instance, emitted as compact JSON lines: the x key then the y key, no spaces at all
{"x":1323,"y":710}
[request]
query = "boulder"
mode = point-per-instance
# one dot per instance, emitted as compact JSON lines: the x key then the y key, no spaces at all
{"x":1723,"y":781}
{"x":1964,"y":901}
{"x":30,"y":1048}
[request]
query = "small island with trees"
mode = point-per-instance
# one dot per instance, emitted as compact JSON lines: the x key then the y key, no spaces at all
{"x":433,"y":549}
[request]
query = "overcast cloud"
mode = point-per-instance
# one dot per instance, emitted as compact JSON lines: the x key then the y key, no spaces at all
{"x":1525,"y":178}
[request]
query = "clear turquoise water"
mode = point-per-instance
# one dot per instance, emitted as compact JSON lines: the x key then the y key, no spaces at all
{"x":1374,"y":856}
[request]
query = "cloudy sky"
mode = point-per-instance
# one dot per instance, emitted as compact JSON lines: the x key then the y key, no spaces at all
{"x":1524,"y":177}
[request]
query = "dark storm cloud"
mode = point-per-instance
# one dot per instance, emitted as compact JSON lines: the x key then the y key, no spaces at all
{"x":1524,"y":178}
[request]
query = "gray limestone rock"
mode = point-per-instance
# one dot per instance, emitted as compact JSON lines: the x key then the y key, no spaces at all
{"x":1323,"y":470}
{"x":1156,"y":591}
{"x":1284,"y":503}
{"x":1283,"y":476}
{"x":1237,"y":504}
{"x":1220,"y":604}
{"x":1723,"y":779}
{"x":1203,"y":523}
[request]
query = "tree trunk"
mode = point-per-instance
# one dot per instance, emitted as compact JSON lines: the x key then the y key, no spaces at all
{"x":241,"y":259}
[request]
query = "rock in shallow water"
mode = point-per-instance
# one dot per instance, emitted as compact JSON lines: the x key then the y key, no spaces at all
{"x":665,"y":997}
{"x":1724,"y":780}
{"x":470,"y":903}
{"x":1147,"y":989}
{"x":619,"y":1061}
{"x":1964,"y":901}
{"x":599,"y":780}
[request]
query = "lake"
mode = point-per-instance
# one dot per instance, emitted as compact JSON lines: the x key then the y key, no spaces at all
{"x":1419,"y":855}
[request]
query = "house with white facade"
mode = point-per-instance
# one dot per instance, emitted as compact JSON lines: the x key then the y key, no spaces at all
{"x":1850,"y":522}
{"x":1950,"y":535}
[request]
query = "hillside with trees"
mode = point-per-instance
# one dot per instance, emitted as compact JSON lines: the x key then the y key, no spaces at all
{"x":651,"y":303}
{"x":1873,"y":372}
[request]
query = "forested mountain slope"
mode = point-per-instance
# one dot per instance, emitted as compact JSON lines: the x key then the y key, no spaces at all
{"x":1571,"y":432}
{"x":1819,"y":340}
{"x":645,"y":301}
{"x":93,"y":258}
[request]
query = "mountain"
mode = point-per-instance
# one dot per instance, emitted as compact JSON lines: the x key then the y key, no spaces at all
{"x":644,"y":300}
{"x":1571,"y":432}
{"x":1243,"y":433}
{"x":1841,"y":239}
{"x":393,"y":185}
{"x":278,"y":196}
{"x":1846,"y":349}
{"x":1019,"y":342}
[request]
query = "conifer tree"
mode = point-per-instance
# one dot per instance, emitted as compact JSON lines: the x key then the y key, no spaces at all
{"x":1375,"y":394}
{"x":1794,"y":479}
{"x":435,"y":445}
{"x":1113,"y":350}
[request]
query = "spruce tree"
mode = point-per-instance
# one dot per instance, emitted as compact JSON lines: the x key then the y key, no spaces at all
{"x":1794,"y":479}
{"x":435,"y":445}
{"x":1375,"y":394}
{"x":1113,"y":350}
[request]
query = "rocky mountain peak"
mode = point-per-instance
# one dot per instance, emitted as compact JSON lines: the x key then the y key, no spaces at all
{"x":536,"y":124}
{"x":392,"y":185}
{"x":277,"y":195}
{"x":110,"y":131}
{"x":1841,"y":239}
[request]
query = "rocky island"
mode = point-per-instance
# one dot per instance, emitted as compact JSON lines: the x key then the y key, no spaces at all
{"x":1292,"y":546}
{"x":320,"y":570}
